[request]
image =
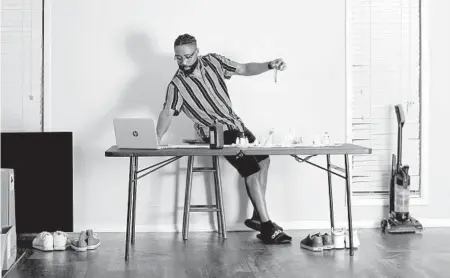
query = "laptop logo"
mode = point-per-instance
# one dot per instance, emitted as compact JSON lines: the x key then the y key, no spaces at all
{"x":135,"y":133}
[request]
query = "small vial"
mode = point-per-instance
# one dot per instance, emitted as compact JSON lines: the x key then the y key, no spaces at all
{"x":326,"y":139}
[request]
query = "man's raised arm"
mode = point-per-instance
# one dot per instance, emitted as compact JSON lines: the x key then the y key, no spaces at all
{"x":255,"y":68}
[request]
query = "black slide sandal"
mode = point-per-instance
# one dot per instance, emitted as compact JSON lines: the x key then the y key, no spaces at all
{"x":253,"y":224}
{"x":280,"y":238}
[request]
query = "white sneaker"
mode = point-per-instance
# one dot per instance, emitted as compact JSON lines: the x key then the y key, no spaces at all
{"x":43,"y":241}
{"x":355,"y":239}
{"x":338,"y":236}
{"x":60,"y":241}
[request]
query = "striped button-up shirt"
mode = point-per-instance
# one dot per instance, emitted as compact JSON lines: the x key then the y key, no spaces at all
{"x":205,"y":99}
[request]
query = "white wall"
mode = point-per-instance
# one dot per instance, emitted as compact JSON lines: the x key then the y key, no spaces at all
{"x":20,"y":65}
{"x":109,"y":59}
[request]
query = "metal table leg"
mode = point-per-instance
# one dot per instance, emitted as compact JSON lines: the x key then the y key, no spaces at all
{"x":349,"y":203}
{"x":216,"y":190}
{"x":187,"y":197}
{"x":330,"y":192}
{"x":218,"y":182}
{"x":133,"y":224}
{"x":131,"y":182}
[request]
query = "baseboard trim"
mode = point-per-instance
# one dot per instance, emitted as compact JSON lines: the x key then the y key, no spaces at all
{"x":293,"y":225}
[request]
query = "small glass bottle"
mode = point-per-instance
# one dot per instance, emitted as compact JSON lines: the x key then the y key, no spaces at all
{"x":326,"y":139}
{"x":269,"y":139}
{"x":241,"y":139}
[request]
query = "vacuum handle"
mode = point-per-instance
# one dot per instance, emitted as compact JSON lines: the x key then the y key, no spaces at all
{"x":401,"y":122}
{"x":400,"y":114}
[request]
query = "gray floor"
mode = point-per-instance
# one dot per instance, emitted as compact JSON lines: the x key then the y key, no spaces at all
{"x":243,"y":255}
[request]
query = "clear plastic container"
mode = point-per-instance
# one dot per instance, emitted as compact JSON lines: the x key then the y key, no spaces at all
{"x":326,"y":139}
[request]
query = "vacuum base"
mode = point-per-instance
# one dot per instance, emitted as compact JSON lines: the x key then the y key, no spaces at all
{"x":393,"y":226}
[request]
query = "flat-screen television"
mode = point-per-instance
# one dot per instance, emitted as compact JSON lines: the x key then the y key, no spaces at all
{"x":43,"y":172}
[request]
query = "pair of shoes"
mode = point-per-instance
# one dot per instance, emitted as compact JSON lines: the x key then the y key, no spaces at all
{"x":341,"y":238}
{"x":317,"y":242}
{"x":256,"y":224}
{"x":275,"y":236}
{"x":88,"y":240}
{"x":46,"y":241}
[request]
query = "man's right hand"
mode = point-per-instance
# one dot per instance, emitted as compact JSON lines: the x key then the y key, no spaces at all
{"x":278,"y":64}
{"x":164,"y":120}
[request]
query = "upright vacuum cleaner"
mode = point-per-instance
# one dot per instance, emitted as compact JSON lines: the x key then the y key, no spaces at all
{"x":399,"y":220}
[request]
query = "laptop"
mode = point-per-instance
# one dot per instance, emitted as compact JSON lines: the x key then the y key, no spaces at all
{"x":135,"y":133}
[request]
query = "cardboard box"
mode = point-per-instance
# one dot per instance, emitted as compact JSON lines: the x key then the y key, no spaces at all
{"x":9,"y":247}
{"x":8,"y":203}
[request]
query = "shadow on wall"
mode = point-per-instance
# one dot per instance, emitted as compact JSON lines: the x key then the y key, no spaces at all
{"x":145,"y":92}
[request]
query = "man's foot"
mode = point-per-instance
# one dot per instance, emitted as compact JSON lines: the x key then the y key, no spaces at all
{"x":253,"y":224}
{"x":256,"y":224}
{"x":273,"y":235}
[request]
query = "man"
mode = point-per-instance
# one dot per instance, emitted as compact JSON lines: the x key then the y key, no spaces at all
{"x":198,"y":89}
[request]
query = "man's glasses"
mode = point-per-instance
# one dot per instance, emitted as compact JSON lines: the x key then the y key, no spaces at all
{"x":187,"y":57}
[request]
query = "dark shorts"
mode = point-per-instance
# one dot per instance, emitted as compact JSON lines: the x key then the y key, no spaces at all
{"x":246,"y":165}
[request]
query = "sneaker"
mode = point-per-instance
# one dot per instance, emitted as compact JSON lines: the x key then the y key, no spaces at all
{"x":276,"y":236}
{"x":312,"y":243}
{"x":60,"y":241}
{"x":43,"y":241}
{"x":355,"y":239}
{"x":93,"y":241}
{"x":338,"y":237}
{"x":80,"y":244}
{"x":327,"y":241}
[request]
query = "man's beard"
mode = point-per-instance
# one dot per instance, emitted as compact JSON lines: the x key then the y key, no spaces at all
{"x":191,"y":68}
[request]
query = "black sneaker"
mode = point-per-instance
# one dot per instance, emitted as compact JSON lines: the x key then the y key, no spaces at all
{"x":312,"y":242}
{"x":276,"y":236}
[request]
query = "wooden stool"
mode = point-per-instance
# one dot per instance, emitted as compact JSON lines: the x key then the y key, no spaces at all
{"x":218,"y":207}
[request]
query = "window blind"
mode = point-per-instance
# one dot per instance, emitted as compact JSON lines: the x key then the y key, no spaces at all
{"x":21,"y":61}
{"x":384,"y":38}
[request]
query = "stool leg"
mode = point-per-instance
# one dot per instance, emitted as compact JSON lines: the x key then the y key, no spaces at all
{"x":216,"y":190}
{"x":219,"y":185}
{"x":187,"y":198}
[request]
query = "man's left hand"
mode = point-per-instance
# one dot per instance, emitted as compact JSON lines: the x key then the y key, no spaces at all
{"x":278,"y":64}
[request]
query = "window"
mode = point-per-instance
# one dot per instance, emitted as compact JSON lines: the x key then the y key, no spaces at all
{"x":383,"y":43}
{"x":21,"y":64}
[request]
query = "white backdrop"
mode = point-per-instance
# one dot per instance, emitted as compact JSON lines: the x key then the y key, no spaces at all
{"x":115,"y":58}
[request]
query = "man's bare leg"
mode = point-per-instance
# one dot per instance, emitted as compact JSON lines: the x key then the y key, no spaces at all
{"x":270,"y":233}
{"x":256,"y":196}
{"x":263,"y":174}
{"x":262,"y":177}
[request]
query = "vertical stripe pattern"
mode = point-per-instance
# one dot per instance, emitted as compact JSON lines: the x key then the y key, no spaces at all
{"x":205,"y":99}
